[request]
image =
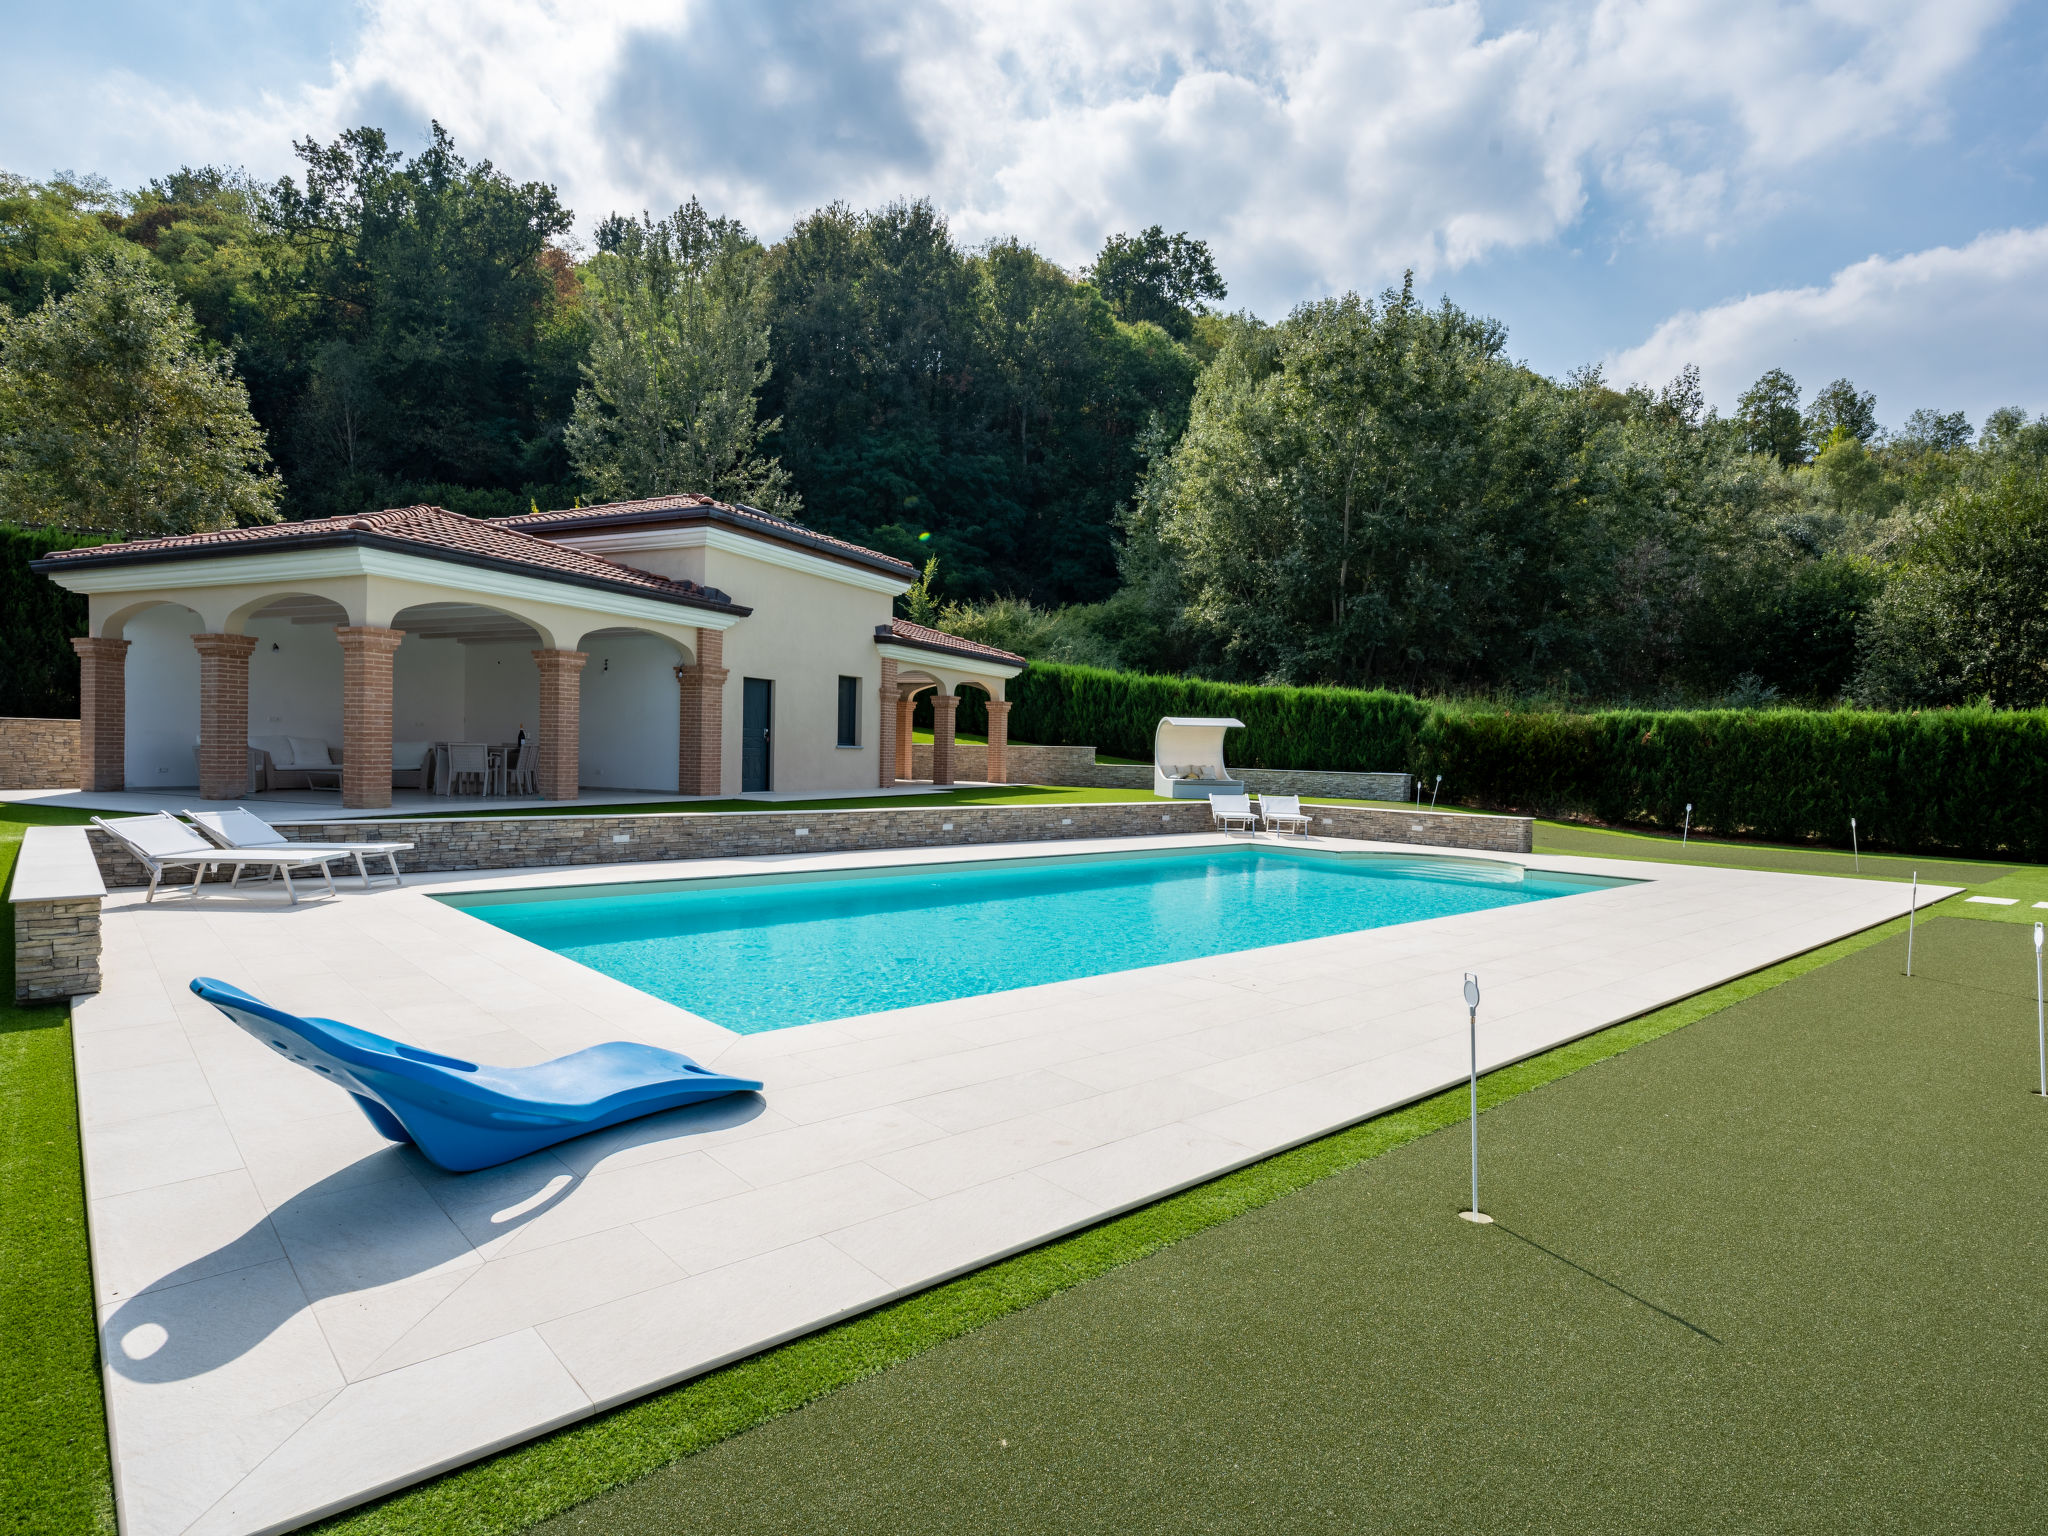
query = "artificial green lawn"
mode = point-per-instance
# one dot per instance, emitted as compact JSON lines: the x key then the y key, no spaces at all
{"x":62,"y":1472}
{"x":509,"y":1493}
{"x":53,"y":1437}
{"x":1776,"y":1272}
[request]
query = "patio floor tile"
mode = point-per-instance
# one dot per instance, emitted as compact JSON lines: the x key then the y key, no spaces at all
{"x":299,"y":1315}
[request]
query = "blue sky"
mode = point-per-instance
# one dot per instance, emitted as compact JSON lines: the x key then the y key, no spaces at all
{"x":1852,"y":187}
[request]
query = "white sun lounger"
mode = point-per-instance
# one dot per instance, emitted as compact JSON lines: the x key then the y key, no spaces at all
{"x":240,"y":828}
{"x":1234,"y":813}
{"x":1282,"y":813}
{"x":164,"y":843}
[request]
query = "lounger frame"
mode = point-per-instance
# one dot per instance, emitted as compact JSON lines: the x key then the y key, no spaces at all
{"x":205,"y":858}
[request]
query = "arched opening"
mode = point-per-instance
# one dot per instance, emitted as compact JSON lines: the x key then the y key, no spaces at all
{"x":464,"y":672}
{"x":631,"y":710}
{"x":294,"y":674}
{"x":161,"y":688}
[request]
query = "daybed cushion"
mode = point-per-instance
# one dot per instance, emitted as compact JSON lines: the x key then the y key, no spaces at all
{"x":408,"y":755}
{"x":279,"y":748}
{"x":308,"y":752}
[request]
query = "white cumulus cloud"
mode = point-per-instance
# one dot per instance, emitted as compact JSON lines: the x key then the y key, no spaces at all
{"x":1317,"y":147}
{"x":1952,"y":328}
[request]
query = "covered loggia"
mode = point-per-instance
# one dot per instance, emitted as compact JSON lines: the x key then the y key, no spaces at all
{"x":917,"y":661}
{"x":340,"y":635}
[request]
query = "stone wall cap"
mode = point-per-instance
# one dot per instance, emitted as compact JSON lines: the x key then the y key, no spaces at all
{"x":56,"y":864}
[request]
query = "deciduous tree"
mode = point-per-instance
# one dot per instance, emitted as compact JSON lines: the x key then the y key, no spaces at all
{"x":678,"y":354}
{"x":115,"y":417}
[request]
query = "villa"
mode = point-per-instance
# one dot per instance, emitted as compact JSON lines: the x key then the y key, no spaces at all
{"x":678,"y":645}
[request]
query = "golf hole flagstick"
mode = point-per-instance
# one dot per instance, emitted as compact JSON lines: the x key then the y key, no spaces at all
{"x":1472,"y":1021}
{"x":2040,"y":1019}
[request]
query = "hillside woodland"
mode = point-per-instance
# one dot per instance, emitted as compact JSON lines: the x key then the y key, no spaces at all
{"x":1099,"y":466}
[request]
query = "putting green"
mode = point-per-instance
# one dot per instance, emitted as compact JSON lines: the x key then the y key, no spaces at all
{"x":1777,"y":1271}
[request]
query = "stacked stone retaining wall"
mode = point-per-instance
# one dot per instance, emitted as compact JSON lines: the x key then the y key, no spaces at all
{"x":1076,"y":768}
{"x":38,"y":754}
{"x":1071,"y":767}
{"x":528,"y":842}
{"x":56,"y":949}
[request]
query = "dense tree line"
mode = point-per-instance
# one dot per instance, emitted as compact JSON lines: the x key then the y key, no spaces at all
{"x":1106,"y":469}
{"x":1372,"y":494}
{"x":422,"y":329}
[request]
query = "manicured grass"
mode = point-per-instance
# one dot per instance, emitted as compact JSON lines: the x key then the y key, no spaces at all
{"x":53,"y":1437}
{"x":555,"y":1474}
{"x":1600,"y":843}
{"x":1772,"y":1273}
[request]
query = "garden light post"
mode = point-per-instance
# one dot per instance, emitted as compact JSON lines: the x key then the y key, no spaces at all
{"x":2040,"y":1020}
{"x":1686,"y":836}
{"x":1472,"y":1020}
{"x":1433,"y":792}
{"x":1854,"y":852}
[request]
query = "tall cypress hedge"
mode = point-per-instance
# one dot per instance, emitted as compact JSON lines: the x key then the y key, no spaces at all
{"x":1967,"y":780}
{"x":1117,"y":712}
{"x":38,"y":668}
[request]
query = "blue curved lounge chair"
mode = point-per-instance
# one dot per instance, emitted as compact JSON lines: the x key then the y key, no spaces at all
{"x":463,"y":1116}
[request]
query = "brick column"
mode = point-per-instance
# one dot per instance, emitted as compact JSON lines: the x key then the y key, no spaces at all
{"x":366,"y":653}
{"x":224,"y":715}
{"x":700,"y":748}
{"x":561,"y":721}
{"x":885,"y":726}
{"x":906,"y":739}
{"x":999,"y":741}
{"x":943,"y":706}
{"x":102,"y":713}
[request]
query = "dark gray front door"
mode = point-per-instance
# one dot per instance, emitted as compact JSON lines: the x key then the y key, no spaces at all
{"x":757,"y":735}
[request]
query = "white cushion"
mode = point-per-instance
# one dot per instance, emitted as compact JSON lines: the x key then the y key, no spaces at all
{"x":409,"y":754}
{"x":309,"y":752}
{"x":279,"y":748}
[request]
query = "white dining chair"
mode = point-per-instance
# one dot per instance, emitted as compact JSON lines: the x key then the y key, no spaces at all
{"x":469,"y":761}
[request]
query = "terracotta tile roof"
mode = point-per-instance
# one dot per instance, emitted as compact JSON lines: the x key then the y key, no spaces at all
{"x":903,"y":632}
{"x":692,"y":508}
{"x":428,"y":531}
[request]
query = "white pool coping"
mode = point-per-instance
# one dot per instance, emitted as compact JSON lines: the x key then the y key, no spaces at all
{"x":321,"y":1317}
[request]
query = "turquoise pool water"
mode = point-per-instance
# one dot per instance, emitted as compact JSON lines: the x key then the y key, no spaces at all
{"x":766,"y":952}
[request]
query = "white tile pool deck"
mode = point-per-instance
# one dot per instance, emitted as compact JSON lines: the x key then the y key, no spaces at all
{"x":297,"y":1315}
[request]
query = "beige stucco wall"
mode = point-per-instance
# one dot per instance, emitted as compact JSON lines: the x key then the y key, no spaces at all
{"x":806,"y":632}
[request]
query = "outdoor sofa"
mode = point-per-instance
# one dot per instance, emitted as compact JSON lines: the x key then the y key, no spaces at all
{"x":309,"y":762}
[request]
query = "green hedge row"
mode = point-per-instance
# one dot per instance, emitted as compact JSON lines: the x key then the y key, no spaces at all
{"x":38,"y":668}
{"x":1117,"y":712}
{"x":1970,"y":781}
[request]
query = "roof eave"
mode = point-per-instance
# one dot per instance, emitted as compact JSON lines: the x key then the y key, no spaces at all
{"x":959,"y":652}
{"x":105,"y":555}
{"x":796,"y":536}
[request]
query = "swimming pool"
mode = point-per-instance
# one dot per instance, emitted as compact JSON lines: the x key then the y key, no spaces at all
{"x":763,"y":952}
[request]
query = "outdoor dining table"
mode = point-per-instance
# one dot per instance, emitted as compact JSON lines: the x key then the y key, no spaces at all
{"x":498,"y":753}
